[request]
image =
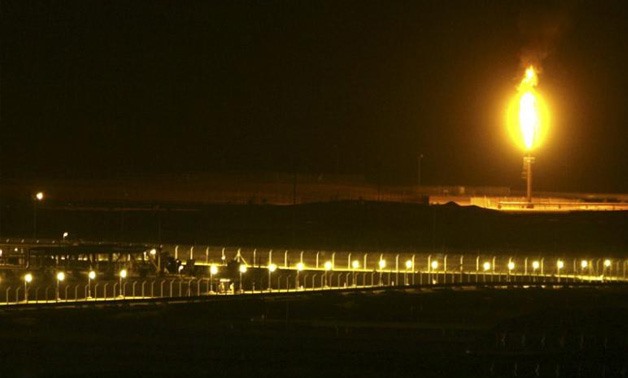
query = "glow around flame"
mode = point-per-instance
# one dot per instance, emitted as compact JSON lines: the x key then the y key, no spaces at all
{"x":527,"y":114}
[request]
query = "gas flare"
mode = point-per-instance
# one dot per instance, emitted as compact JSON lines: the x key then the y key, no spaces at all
{"x":527,"y":114}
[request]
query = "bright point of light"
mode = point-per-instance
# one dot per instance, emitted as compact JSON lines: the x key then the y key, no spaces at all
{"x":153,"y":252}
{"x":486,"y":266}
{"x":434,"y":264}
{"x":328,"y":265}
{"x":355,"y":264}
{"x":39,"y":196}
{"x":65,"y":234}
{"x":28,"y":277}
{"x":560,"y":264}
{"x":300,"y":266}
{"x":123,"y":273}
{"x":243,"y":268}
{"x":60,"y":276}
{"x":535,"y":265}
{"x":272,"y":267}
{"x":91,"y":275}
{"x":382,"y":264}
{"x":511,"y":265}
{"x":409,"y":264}
{"x":607,"y":263}
{"x":584,"y":264}
{"x":213,"y":269}
{"x":528,"y":117}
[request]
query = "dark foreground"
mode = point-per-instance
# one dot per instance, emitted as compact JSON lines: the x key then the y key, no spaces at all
{"x":459,"y":333}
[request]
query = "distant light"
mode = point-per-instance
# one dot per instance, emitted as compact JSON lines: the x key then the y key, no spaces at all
{"x":560,"y":264}
{"x":434,"y":264}
{"x":28,"y":277}
{"x":355,"y":264}
{"x":535,"y":265}
{"x":382,"y":264}
{"x":91,"y":275}
{"x":328,"y":265}
{"x":60,"y":276}
{"x":65,"y":234}
{"x":300,"y":266}
{"x":511,"y":265}
{"x":584,"y":264}
{"x":243,"y":268}
{"x":213,"y":269}
{"x":486,"y":266}
{"x":39,"y":196}
{"x":271,"y":267}
{"x":409,"y":264}
{"x":123,"y":273}
{"x":153,"y":252}
{"x":607,"y":263}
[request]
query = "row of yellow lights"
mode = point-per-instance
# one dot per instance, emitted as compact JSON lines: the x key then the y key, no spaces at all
{"x":28,"y":277}
{"x":560,"y":264}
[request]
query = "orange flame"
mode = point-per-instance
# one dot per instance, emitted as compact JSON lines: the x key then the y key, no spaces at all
{"x":527,"y":114}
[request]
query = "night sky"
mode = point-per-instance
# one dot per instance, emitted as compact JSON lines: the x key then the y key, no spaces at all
{"x":118,"y":88}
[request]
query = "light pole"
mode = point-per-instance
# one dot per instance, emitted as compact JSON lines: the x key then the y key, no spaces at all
{"x":242,"y":270}
{"x":486,"y":267}
{"x":409,"y":265}
{"x":382,"y":265}
{"x":213,"y":269}
{"x":355,"y":264}
{"x":328,"y":267}
{"x":511,"y":267}
{"x":60,"y":278}
{"x":90,"y":276}
{"x":433,"y":268}
{"x":28,"y":278}
{"x":271,"y":269}
{"x":123,"y":273}
{"x":38,"y":197}
{"x":300,"y":268}
{"x":560,"y":264}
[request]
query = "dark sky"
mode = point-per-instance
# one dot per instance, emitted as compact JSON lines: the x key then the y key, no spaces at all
{"x":107,"y":88}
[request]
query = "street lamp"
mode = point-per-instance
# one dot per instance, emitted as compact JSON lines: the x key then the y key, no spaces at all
{"x":90,"y":276}
{"x":328,"y":266}
{"x":271,"y":268}
{"x":213,"y":269}
{"x":28,"y":278}
{"x":38,"y":197}
{"x":409,"y":266}
{"x":123,"y":274}
{"x":382,"y":265}
{"x":243,"y":268}
{"x":355,"y":264}
{"x":560,"y":264}
{"x":300,"y":268}
{"x":60,"y":278}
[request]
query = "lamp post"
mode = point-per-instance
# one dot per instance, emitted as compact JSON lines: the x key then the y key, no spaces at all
{"x":433,"y":267}
{"x":486,"y":267}
{"x":242,"y":270}
{"x":123,"y":273}
{"x":38,"y":197}
{"x":271,"y":269}
{"x":60,"y":278}
{"x":213,"y":269}
{"x":560,"y":264}
{"x":328,"y":267}
{"x":90,"y":276}
{"x":355,"y":264}
{"x":300,"y":268}
{"x":382,"y":265}
{"x":409,"y":266}
{"x":28,"y":278}
{"x":511,"y":267}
